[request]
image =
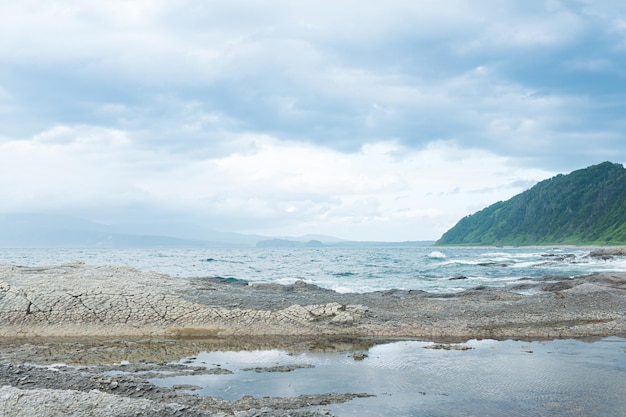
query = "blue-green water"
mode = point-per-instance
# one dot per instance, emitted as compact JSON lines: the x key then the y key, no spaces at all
{"x":342,"y":269}
{"x":495,"y":378}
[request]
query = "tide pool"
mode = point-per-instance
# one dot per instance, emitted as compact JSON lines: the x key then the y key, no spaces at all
{"x":490,"y":378}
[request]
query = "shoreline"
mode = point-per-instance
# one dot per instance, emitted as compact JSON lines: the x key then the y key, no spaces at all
{"x":96,"y":319}
{"x":78,"y":300}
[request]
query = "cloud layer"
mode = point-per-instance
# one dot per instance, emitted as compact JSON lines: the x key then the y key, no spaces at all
{"x":385,"y":120}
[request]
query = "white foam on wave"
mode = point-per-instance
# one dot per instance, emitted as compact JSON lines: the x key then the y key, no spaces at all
{"x":528,"y":264}
{"x":343,"y":290}
{"x":437,"y":255}
{"x":610,"y":265}
{"x":462,"y":262}
{"x":496,"y":255}
{"x":435,"y":265}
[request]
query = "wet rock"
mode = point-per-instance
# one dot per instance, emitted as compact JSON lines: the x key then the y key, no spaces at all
{"x":186,"y":387}
{"x":558,"y":256}
{"x":608,"y":253}
{"x":460,"y":277}
{"x":268,"y":412}
{"x":279,"y":368}
{"x":602,"y":257}
{"x":248,"y":402}
{"x":68,"y":391}
{"x":445,"y":346}
{"x":559,"y":286}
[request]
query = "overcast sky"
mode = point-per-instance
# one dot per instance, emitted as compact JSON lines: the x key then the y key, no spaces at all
{"x":366,"y":120}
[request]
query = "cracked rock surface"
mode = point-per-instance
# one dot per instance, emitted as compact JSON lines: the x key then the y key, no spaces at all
{"x":80,"y":300}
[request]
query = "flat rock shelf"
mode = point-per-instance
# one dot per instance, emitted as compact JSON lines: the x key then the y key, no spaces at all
{"x":79,"y":300}
{"x":104,"y":315}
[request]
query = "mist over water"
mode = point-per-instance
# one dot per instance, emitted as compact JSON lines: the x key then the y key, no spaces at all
{"x":431,"y":269}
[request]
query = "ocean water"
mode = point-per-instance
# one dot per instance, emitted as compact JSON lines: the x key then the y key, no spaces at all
{"x":343,"y":269}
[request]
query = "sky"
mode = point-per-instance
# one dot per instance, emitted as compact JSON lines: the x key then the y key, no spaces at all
{"x":366,"y":120}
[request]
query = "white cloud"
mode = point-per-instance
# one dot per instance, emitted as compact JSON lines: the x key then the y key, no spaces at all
{"x":65,"y":167}
{"x":367,"y":120}
{"x":188,"y":42}
{"x":383,"y":192}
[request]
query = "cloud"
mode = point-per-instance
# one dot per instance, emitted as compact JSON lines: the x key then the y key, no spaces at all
{"x":267,"y":185}
{"x":64,"y":166}
{"x":301,"y":117}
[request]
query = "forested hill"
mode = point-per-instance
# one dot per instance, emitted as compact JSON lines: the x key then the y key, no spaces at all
{"x":587,"y":206}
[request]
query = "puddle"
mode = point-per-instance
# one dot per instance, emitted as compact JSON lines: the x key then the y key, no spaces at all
{"x":493,"y":378}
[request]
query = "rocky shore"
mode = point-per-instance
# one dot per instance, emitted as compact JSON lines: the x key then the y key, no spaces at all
{"x":92,"y":317}
{"x":78,"y":300}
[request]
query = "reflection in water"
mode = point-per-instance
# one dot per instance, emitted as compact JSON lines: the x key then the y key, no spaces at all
{"x":494,"y":378}
{"x":105,"y":350}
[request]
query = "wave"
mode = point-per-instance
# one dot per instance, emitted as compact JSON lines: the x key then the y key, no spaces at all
{"x":344,"y":274}
{"x":222,"y":260}
{"x":232,"y":280}
{"x":437,"y":255}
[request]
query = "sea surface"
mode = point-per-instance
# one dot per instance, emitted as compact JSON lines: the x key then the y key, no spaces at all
{"x":448,"y":269}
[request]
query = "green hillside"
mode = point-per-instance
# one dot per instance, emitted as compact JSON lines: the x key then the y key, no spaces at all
{"x":587,"y":206}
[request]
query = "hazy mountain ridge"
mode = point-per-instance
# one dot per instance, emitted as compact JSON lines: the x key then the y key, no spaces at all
{"x":288,"y":243}
{"x":587,"y":206}
{"x":29,"y":230}
{"x":38,"y":230}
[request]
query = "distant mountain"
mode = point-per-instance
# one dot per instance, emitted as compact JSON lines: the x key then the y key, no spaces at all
{"x":321,"y":238}
{"x":37,"y":230}
{"x":44,"y":230}
{"x":587,"y":206}
{"x":279,"y":243}
{"x":336,"y":243}
{"x":375,"y":244}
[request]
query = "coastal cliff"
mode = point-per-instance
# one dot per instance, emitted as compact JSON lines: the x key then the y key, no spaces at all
{"x":585,"y":207}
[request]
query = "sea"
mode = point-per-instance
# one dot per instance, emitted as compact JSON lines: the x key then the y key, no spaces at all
{"x":433,"y":269}
{"x":548,"y":378}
